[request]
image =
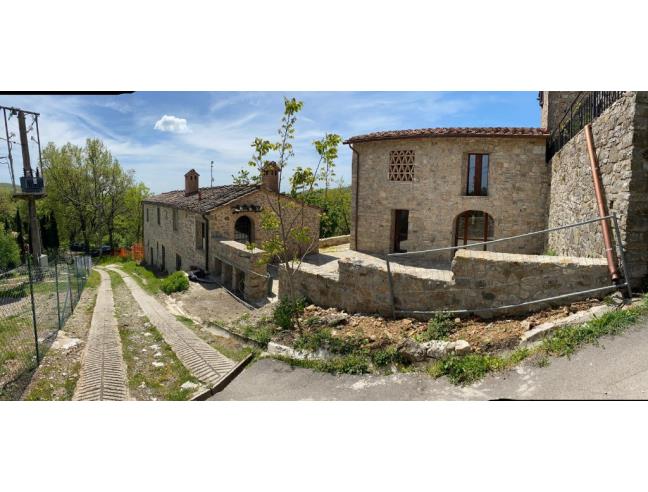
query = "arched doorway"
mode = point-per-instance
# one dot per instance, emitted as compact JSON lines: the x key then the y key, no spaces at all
{"x":474,"y":226}
{"x":243,"y":230}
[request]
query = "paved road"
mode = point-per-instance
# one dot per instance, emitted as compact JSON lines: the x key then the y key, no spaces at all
{"x":103,"y":372}
{"x":200,"y":358}
{"x":617,"y":369}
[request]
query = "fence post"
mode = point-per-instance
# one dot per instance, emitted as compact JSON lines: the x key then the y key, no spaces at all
{"x":76,"y":274}
{"x":621,"y":254}
{"x":69,"y":282}
{"x":391,"y":288}
{"x":58,"y":302}
{"x":33,"y":306}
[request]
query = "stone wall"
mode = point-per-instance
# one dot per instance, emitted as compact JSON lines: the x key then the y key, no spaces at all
{"x":327,"y":242}
{"x":621,"y":141}
{"x":517,"y":196}
{"x":479,"y":279}
{"x":240,"y":269}
{"x":181,"y":241}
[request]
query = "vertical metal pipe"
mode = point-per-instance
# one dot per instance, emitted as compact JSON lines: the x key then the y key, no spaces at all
{"x":626,"y":276}
{"x":33,"y":307}
{"x":598,"y":190}
{"x":391,"y":289}
{"x":58,"y":302}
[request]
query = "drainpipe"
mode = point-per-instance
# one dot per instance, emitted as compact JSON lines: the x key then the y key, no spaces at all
{"x":598,"y":190}
{"x":206,"y":219}
{"x":357,"y":190}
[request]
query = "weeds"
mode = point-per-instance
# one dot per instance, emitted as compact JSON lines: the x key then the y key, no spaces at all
{"x":350,"y":364}
{"x":287,"y":311}
{"x":323,"y":338}
{"x":94,"y":279}
{"x":439,"y":327}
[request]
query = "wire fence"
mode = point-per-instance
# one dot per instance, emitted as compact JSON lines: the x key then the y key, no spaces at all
{"x":35,"y":302}
{"x":542,"y":287}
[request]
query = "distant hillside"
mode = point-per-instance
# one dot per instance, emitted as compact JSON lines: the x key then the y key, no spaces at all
{"x":6,"y":186}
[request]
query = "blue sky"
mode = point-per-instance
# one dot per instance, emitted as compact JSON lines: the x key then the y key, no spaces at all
{"x":161,"y":135}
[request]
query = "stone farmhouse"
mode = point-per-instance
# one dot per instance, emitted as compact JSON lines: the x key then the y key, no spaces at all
{"x":416,"y":190}
{"x":437,"y":187}
{"x":211,"y":228}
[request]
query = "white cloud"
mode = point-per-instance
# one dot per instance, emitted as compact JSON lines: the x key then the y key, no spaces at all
{"x":170,"y":123}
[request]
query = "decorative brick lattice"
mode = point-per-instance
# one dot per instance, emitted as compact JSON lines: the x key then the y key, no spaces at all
{"x":401,"y":165}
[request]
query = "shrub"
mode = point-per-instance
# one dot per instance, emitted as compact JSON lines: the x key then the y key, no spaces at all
{"x":439,"y":328}
{"x":323,"y":338}
{"x":176,"y":282}
{"x":386,"y":356}
{"x":286,"y":311}
{"x":9,"y":251}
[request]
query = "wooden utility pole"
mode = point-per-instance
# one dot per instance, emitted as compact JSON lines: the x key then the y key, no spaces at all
{"x":34,"y":226}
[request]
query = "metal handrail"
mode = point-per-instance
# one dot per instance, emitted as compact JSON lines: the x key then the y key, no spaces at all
{"x":586,"y":107}
{"x":544,"y":231}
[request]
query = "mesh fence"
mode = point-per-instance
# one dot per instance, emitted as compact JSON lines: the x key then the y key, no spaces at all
{"x":34,"y":304}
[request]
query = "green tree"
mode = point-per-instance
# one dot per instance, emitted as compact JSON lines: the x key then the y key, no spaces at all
{"x":9,"y":252}
{"x":91,"y":195}
{"x":290,"y":240}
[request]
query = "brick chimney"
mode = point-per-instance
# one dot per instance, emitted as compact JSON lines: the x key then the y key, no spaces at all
{"x":191,"y":182}
{"x":270,"y":177}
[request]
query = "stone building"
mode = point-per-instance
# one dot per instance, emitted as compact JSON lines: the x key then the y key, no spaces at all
{"x":431,"y":188}
{"x":212,"y":228}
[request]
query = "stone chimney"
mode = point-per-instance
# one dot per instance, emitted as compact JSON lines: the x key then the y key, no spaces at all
{"x":270,"y":177}
{"x":191,"y":182}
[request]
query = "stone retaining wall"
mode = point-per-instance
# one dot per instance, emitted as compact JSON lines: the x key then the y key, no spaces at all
{"x":478,"y":279}
{"x":621,"y":141}
{"x":240,"y":269}
{"x":327,"y":242}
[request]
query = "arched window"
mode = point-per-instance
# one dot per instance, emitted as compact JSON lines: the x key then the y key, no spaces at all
{"x":243,"y":230}
{"x":474,"y":226}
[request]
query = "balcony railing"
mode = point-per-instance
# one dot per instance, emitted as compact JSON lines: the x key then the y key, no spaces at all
{"x":586,"y":108}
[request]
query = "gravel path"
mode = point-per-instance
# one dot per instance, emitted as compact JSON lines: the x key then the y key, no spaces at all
{"x":103,"y":372}
{"x":203,"y":361}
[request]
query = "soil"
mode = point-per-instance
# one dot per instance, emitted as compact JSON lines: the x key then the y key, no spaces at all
{"x":483,"y":335}
{"x":208,"y":302}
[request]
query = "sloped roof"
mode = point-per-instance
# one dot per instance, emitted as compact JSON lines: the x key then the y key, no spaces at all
{"x":210,"y":198}
{"x":451,"y":132}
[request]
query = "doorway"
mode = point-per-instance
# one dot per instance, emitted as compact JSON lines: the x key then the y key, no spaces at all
{"x":163,"y":266}
{"x":401,"y":224}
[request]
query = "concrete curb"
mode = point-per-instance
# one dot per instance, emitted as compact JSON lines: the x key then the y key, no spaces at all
{"x":227,"y":379}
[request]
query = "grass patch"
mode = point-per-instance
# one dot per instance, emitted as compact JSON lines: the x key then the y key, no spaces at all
{"x":228,"y":347}
{"x":349,"y":364}
{"x":115,"y":279}
{"x":93,"y":280}
{"x":323,"y":338}
{"x":261,"y":332}
{"x":51,"y":388}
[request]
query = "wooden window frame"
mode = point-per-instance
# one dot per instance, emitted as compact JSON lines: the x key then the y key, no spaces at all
{"x":174,"y":218}
{"x":158,"y":216}
{"x":477,"y":179}
{"x":465,"y":215}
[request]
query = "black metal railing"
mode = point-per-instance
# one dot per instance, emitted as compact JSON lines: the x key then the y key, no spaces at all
{"x":586,"y":107}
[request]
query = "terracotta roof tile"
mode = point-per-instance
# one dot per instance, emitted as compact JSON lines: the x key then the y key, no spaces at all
{"x":451,"y":132}
{"x":210,"y":198}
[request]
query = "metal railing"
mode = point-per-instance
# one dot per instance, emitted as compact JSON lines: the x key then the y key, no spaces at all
{"x":586,"y":107}
{"x":35,"y":302}
{"x":624,"y":284}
